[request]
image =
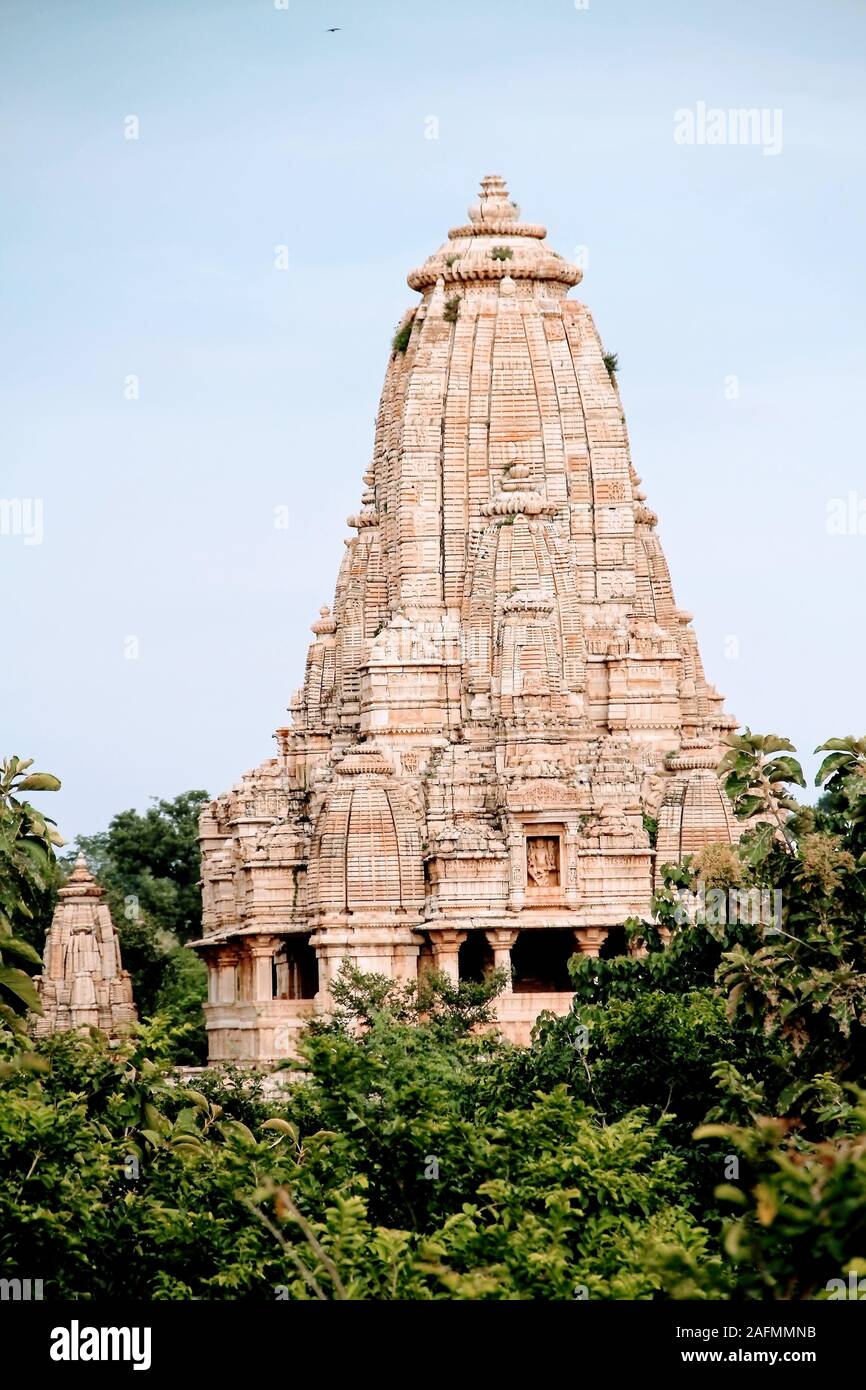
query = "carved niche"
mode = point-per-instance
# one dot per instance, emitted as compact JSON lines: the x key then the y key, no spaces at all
{"x":544,"y":876}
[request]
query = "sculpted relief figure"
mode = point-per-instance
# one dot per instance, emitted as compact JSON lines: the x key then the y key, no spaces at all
{"x":542,"y":862}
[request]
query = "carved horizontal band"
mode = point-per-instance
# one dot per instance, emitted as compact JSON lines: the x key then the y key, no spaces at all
{"x":560,"y":272}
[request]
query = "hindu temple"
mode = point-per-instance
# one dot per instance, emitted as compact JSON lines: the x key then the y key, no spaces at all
{"x":504,"y":727}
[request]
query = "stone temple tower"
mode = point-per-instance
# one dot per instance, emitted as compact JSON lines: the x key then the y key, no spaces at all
{"x":504,"y":701}
{"x":83,"y":983}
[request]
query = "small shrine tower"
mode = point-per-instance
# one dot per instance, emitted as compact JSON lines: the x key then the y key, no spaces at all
{"x":83,"y":983}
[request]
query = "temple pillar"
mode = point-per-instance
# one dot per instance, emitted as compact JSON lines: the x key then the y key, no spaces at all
{"x":501,"y":941}
{"x":446,"y":952}
{"x":590,"y":939}
{"x":226,"y":976}
{"x":211,"y":960}
{"x":262,"y":951}
{"x":382,"y":949}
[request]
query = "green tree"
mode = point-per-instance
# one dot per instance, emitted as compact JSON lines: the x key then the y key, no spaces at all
{"x":388,"y":1170}
{"x":152,"y":861}
{"x":27,"y":875}
{"x":797,"y":1214}
{"x":181,"y":993}
{"x":412,"y":1153}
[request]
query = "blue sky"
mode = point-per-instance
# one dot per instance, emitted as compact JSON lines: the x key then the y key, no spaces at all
{"x":258,"y":388}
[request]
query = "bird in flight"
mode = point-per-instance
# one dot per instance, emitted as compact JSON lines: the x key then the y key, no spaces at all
{"x":333,"y":31}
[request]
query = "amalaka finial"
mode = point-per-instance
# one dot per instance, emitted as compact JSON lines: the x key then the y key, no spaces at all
{"x":494,"y":202}
{"x":325,"y":624}
{"x":81,"y":881}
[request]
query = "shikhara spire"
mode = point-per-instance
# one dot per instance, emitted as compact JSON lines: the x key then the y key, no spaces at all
{"x":503,"y":695}
{"x":83,"y":983}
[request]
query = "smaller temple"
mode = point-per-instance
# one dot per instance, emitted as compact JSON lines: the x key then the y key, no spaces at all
{"x":83,"y":983}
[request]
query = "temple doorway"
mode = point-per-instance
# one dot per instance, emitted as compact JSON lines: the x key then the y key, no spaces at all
{"x":540,"y":959}
{"x":296,"y":969}
{"x":475,"y":958}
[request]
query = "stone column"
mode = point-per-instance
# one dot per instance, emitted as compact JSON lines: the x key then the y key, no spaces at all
{"x":446,"y":949}
{"x":590,"y":939}
{"x":211,"y":960}
{"x":501,"y":941}
{"x":262,"y":952}
{"x":225,"y":969}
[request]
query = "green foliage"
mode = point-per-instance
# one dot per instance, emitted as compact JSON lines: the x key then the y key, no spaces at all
{"x":410,"y":1153}
{"x":655,"y":1051}
{"x":27,"y":876}
{"x":785,"y":957}
{"x":798,"y":1213}
{"x":239,"y":1091}
{"x":842,"y":808}
{"x":390,"y":1170}
{"x":181,"y":994}
{"x":802,"y":982}
{"x":846,"y":757}
{"x":501,"y":253}
{"x":611,"y":362}
{"x":400,"y":341}
{"x":756,"y":768}
{"x":451,"y":312}
{"x":119,"y":1183}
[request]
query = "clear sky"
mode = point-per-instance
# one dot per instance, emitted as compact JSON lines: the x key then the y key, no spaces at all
{"x":154,"y":258}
